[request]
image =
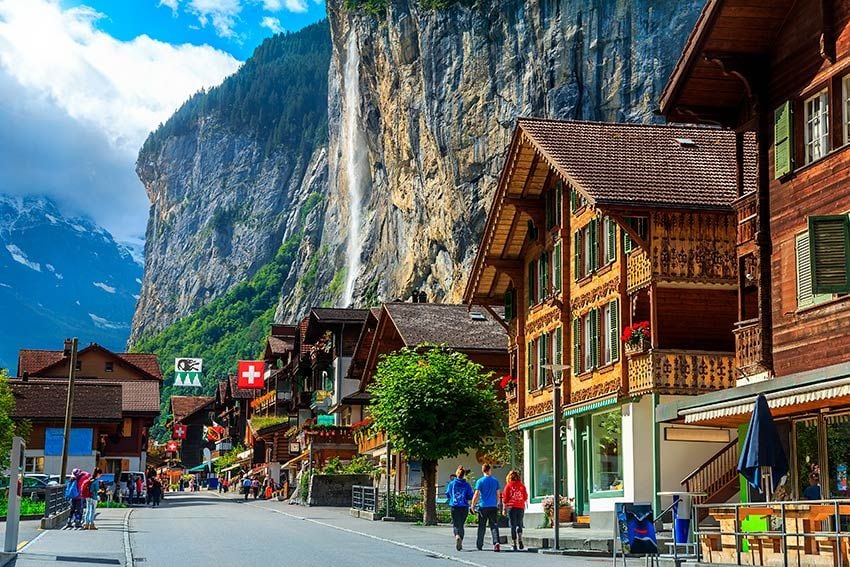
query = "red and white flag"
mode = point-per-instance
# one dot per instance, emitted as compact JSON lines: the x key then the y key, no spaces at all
{"x":251,"y":374}
{"x":171,"y":446}
{"x":179,"y":431}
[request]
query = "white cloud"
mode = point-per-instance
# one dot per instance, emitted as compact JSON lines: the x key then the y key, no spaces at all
{"x":173,"y":4}
{"x":296,"y":5}
{"x":272,"y":23}
{"x":272,"y":5}
{"x":223,"y":14}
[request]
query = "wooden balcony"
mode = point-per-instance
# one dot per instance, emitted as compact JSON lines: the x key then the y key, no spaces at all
{"x":332,"y":435}
{"x":746,"y":209}
{"x":638,"y":270}
{"x":681,"y":372}
{"x":371,"y":442}
{"x":749,"y":354}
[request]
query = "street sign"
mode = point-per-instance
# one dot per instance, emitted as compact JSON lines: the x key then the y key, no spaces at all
{"x":188,"y":372}
{"x":251,"y":374}
{"x":179,"y":431}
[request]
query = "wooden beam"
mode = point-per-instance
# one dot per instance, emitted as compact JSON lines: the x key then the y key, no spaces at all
{"x":531,"y":170}
{"x":531,"y":207}
{"x":827,"y":36}
{"x":511,"y":234}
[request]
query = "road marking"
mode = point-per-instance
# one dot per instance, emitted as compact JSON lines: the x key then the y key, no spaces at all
{"x":22,"y":544}
{"x":32,"y":541}
{"x":128,"y":552}
{"x":378,"y":538}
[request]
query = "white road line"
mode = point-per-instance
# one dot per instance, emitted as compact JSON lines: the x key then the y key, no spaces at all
{"x":32,"y":541}
{"x":128,"y":552}
{"x":378,"y":538}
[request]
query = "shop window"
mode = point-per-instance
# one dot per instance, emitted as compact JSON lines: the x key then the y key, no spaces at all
{"x":807,"y":460}
{"x":816,"y":111}
{"x":838,"y":447}
{"x":607,"y":457}
{"x":542,"y":462}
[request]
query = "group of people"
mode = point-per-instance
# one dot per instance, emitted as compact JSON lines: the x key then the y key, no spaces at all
{"x":486,"y":499}
{"x":253,"y":487}
{"x":84,"y":491}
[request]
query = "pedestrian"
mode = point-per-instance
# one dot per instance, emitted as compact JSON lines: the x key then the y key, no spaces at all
{"x":226,"y":484}
{"x":458,"y":494}
{"x":89,"y":491}
{"x":486,"y":499}
{"x":72,"y":494}
{"x":131,"y":489}
{"x":515,"y":500}
{"x":246,"y":487}
{"x":255,"y":487}
{"x":155,"y":492}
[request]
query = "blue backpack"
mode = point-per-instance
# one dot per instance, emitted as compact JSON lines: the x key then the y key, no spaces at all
{"x":72,"y":490}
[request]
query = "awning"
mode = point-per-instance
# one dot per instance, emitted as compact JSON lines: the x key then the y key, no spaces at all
{"x":582,"y":408}
{"x":296,"y":460}
{"x":535,"y":422}
{"x":200,"y":468}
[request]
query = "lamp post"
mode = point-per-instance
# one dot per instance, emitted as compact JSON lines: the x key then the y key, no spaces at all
{"x":70,"y":352}
{"x":556,"y":371}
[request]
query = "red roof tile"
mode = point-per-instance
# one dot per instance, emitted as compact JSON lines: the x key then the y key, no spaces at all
{"x":140,"y":396}
{"x":45,"y":400}
{"x":147,"y":362}
{"x":36,"y":361}
{"x":32,"y":361}
{"x":241,"y":393}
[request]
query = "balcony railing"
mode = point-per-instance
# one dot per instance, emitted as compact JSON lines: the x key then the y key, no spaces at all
{"x":748,"y":346}
{"x":747,"y":213}
{"x":330,"y":435}
{"x":681,"y":372}
{"x":638,"y":270}
{"x":371,"y":442}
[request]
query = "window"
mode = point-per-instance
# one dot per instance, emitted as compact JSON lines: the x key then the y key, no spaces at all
{"x":576,"y":361}
{"x":589,"y":253}
{"x":510,"y":302}
{"x":577,"y":201}
{"x":531,"y":366}
{"x":641,"y":226}
{"x":542,"y":463}
{"x":109,"y":366}
{"x":558,"y":347}
{"x":554,"y":199}
{"x":782,"y":140}
{"x":829,"y":253}
{"x":609,"y":241}
{"x":817,"y":125}
{"x":127,"y":427}
{"x":607,"y":457}
{"x":590,"y":342}
{"x":610,"y":338}
{"x":837,"y":433}
{"x":532,"y":283}
{"x":543,"y":276}
{"x":34,"y":464}
{"x":542,"y":359}
{"x":556,"y":267}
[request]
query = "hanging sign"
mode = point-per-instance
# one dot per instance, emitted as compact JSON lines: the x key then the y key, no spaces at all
{"x":188,"y":372}
{"x":251,"y":374}
{"x":171,"y":446}
{"x":179,"y":431}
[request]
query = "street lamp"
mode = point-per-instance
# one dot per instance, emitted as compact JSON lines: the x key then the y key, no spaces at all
{"x":70,"y":351}
{"x":556,"y":371}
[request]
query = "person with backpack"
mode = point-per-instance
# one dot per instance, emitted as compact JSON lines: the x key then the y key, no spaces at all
{"x":515,"y":499}
{"x":72,"y":494}
{"x":458,"y":495}
{"x":89,"y":490}
{"x":246,"y":487}
{"x":487,"y":494}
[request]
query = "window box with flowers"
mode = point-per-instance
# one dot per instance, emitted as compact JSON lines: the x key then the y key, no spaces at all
{"x":565,"y":508}
{"x":636,"y":337}
{"x":509,"y":385}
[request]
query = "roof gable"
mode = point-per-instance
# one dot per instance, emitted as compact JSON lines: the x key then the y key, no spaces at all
{"x":46,"y":399}
{"x":446,"y":324}
{"x":36,"y":362}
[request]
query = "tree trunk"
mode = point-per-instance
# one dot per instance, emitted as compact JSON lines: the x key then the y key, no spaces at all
{"x":429,"y":473}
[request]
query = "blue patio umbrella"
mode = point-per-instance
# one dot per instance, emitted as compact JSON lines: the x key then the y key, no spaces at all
{"x":762,"y":447}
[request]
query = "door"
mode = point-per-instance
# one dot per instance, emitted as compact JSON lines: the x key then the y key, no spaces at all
{"x":583,"y":471}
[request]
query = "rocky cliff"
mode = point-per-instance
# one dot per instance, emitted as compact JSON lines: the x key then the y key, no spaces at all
{"x":439,"y":91}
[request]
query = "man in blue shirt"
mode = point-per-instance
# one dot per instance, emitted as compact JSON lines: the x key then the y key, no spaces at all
{"x":487,"y":497}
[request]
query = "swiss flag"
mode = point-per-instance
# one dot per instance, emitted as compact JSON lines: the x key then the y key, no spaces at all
{"x":251,"y":374}
{"x":179,"y":431}
{"x":171,"y":446}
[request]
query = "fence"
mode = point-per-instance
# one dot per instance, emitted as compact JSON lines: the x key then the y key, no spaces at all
{"x":364,"y":497}
{"x":54,"y":500}
{"x":405,"y":506}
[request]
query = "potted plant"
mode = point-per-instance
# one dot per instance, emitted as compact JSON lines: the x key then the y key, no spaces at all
{"x":565,"y":508}
{"x":636,"y":337}
{"x":508,"y":384}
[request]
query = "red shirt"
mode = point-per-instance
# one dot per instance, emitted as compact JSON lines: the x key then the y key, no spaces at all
{"x":515,"y":495}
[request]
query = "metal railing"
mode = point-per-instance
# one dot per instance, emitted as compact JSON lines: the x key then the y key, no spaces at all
{"x":54,"y":500}
{"x":777,"y":533}
{"x":364,"y":497}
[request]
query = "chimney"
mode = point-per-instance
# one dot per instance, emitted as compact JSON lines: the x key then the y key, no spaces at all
{"x":26,"y":376}
{"x":423,"y":298}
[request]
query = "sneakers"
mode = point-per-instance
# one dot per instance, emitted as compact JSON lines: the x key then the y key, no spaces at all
{"x":458,"y":543}
{"x":521,"y":546}
{"x":496,"y":547}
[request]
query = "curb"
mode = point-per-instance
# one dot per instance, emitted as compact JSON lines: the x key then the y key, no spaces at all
{"x":128,"y":551}
{"x":6,"y":558}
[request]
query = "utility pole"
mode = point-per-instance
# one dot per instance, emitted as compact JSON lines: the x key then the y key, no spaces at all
{"x":69,"y":352}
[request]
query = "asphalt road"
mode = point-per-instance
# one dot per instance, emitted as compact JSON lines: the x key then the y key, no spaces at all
{"x":203,"y":529}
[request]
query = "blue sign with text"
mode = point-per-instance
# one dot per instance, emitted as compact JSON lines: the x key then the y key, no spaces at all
{"x":80,"y":442}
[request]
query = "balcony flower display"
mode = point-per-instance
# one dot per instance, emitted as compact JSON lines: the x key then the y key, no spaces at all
{"x":508,"y":383}
{"x":636,"y":336}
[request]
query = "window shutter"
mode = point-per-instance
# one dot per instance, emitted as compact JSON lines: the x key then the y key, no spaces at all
{"x":531,"y":292}
{"x":614,"y":329}
{"x":543,"y":275}
{"x":529,"y":371}
{"x":559,"y":203}
{"x":573,"y":200}
{"x":594,"y":337}
{"x":593,"y":236}
{"x":576,"y":361}
{"x":543,"y":377}
{"x":577,"y":258}
{"x":509,"y":305}
{"x":558,"y":347}
{"x":627,"y":242}
{"x":556,"y":267}
{"x":805,"y":298}
{"x":829,"y":254}
{"x":612,"y":241}
{"x":782,"y":141}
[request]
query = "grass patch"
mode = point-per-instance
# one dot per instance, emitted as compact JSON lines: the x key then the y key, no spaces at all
{"x":28,"y":507}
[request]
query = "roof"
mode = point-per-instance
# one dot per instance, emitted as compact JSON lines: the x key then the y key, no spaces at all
{"x":337,"y":315}
{"x":140,"y":396}
{"x":241,"y":393}
{"x":38,"y":361}
{"x":638,"y":164}
{"x":184,"y":406}
{"x":447,"y":324}
{"x":46,"y":399}
{"x":281,"y":345}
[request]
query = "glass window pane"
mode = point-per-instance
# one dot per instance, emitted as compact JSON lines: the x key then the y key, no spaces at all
{"x":542,"y":450}
{"x":838,"y":447}
{"x":808,"y":459}
{"x":606,"y":449}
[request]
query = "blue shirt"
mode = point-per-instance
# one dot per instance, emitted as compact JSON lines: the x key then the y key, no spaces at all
{"x":487,"y":487}
{"x":459,"y":493}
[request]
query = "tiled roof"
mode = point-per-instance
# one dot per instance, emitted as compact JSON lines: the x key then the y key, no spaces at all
{"x":281,"y":345}
{"x":35,"y":361}
{"x":147,"y":362}
{"x":241,"y":393}
{"x":331,"y":315}
{"x":642,"y":164}
{"x":184,"y":406}
{"x":45,"y":400}
{"x":451,"y":325}
{"x":140,"y":396}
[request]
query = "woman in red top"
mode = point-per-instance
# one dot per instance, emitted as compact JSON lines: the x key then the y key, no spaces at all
{"x":515,"y":499}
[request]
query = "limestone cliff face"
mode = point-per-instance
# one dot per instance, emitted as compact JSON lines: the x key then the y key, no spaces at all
{"x":439,"y":94}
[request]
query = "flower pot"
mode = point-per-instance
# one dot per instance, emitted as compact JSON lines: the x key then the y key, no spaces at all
{"x":638,"y":347}
{"x":565,"y":514}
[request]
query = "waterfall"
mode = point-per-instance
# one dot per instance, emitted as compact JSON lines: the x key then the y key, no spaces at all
{"x":355,"y":165}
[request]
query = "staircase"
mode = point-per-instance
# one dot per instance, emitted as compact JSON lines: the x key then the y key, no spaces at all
{"x":717,"y":477}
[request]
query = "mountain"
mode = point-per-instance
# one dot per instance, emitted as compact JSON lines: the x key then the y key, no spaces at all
{"x":61,"y":277}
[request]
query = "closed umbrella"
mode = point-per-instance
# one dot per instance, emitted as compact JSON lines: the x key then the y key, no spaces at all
{"x":762,"y":448}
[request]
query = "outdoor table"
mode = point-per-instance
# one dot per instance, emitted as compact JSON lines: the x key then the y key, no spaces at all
{"x":683,"y":511}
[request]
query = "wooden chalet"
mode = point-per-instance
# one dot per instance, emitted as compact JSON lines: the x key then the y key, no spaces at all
{"x":99,"y":372}
{"x":781,"y":71}
{"x":595,"y":227}
{"x":193,"y":412}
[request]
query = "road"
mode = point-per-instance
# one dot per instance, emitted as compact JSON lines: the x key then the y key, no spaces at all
{"x":203,"y":529}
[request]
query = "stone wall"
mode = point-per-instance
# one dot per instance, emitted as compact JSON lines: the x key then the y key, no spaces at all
{"x":335,"y":489}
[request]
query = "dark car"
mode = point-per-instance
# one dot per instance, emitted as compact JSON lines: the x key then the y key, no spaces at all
{"x":33,"y":488}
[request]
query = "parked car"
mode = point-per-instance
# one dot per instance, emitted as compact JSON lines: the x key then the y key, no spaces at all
{"x":137,"y":496}
{"x":33,"y":488}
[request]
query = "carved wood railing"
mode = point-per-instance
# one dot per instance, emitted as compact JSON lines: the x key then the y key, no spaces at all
{"x":681,"y":372}
{"x":373,"y":441}
{"x":715,"y":475}
{"x":638,"y":270}
{"x":747,"y":213}
{"x":748,"y":350}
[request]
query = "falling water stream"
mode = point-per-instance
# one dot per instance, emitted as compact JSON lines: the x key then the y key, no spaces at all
{"x":355,"y":165}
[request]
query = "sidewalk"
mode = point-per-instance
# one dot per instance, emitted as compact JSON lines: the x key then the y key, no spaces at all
{"x":104,"y":546}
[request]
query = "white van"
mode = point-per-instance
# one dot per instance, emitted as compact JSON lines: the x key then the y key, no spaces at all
{"x":125,"y":492}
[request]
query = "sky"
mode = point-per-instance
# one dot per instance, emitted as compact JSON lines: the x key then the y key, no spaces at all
{"x":83,"y":82}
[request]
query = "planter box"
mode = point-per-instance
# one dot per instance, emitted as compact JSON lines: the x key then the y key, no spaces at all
{"x":565,"y":514}
{"x":636,"y":348}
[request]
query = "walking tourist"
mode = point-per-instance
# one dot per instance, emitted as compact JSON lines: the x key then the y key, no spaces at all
{"x":89,"y":491}
{"x":72,"y":493}
{"x":486,"y":498}
{"x":515,"y":500}
{"x":458,"y":494}
{"x":255,"y":487}
{"x":131,"y":489}
{"x":246,"y":487}
{"x":155,"y":492}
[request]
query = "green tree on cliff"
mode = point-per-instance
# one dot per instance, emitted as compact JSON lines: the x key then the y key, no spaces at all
{"x":433,"y":403}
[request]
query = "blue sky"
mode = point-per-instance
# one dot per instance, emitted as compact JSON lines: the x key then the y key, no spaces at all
{"x":85,"y":81}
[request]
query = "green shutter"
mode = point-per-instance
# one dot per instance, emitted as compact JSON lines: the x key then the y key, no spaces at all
{"x":543,"y":359}
{"x":829,"y":248}
{"x":783,"y":157}
{"x":531,"y":289}
{"x":558,"y":347}
{"x":805,"y":298}
{"x":576,"y":361}
{"x":543,"y":276}
{"x":594,"y":337}
{"x":556,"y":267}
{"x":593,"y":237}
{"x":529,"y":363}
{"x":612,"y":241}
{"x":559,"y":203}
{"x":614,"y":329}
{"x":577,"y":256}
{"x":627,"y":243}
{"x":509,"y":305}
{"x":573,"y":200}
